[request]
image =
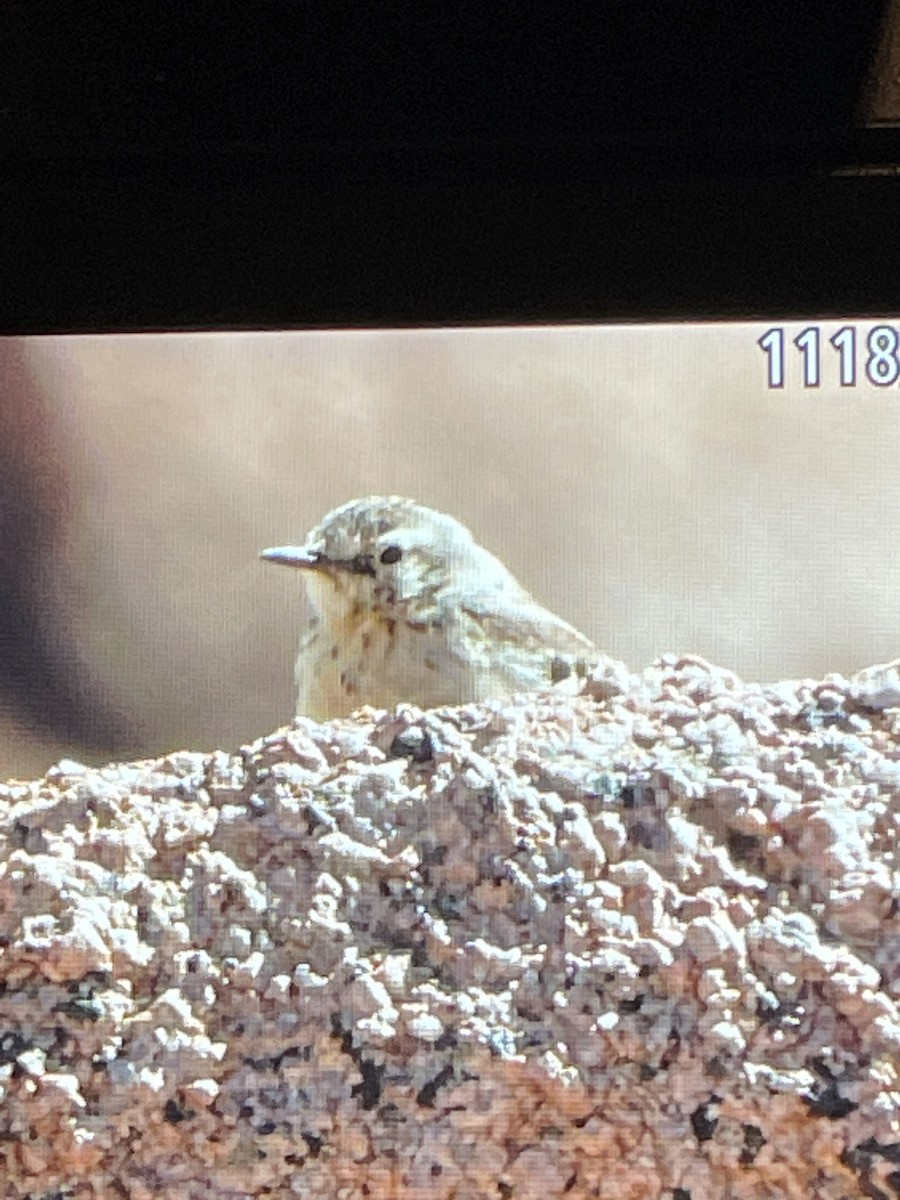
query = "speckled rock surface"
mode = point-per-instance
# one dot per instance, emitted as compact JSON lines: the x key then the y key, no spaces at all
{"x":641,"y":942}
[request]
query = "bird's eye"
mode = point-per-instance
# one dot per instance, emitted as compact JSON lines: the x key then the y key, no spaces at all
{"x":391,"y":554}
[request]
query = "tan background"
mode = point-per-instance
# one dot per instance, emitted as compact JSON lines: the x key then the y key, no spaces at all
{"x":642,"y":481}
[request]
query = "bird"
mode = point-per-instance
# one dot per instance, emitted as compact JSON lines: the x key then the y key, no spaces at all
{"x":408,"y":607}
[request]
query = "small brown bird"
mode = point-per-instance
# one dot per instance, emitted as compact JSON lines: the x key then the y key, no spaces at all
{"x":408,"y":607}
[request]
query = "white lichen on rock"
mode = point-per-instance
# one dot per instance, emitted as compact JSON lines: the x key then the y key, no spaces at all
{"x":643,"y":942}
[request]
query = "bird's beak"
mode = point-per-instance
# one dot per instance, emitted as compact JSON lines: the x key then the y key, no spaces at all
{"x":295,"y":556}
{"x":315,"y":560}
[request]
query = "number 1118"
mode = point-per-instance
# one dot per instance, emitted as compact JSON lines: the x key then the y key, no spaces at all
{"x":881,"y":367}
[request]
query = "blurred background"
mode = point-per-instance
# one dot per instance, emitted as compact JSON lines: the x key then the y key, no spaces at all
{"x":642,"y":481}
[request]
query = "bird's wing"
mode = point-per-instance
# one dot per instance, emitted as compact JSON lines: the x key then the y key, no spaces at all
{"x":521,"y":625}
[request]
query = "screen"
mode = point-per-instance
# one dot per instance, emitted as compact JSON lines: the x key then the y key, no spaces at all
{"x":627,"y":939}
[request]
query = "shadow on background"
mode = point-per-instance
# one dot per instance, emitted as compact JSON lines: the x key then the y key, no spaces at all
{"x":49,"y":702}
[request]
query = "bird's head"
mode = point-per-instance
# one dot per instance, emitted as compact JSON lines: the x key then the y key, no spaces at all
{"x":389,"y":555}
